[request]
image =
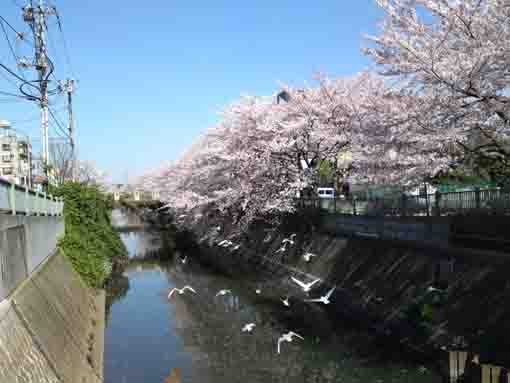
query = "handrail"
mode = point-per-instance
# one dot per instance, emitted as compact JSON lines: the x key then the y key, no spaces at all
{"x":434,"y":204}
{"x":15,"y":200}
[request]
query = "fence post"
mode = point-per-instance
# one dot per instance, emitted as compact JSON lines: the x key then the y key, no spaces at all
{"x":44,"y":203}
{"x":13,"y":198}
{"x":404,"y":205}
{"x":354,"y":205}
{"x":477,"y":198}
{"x":334,"y":204}
{"x":27,"y":201}
{"x":437,"y":201}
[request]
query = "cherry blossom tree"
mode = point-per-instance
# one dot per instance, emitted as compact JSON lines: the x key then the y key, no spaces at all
{"x":255,"y":160}
{"x":449,"y":61}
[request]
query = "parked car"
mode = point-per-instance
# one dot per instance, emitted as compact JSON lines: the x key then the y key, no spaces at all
{"x":326,"y":192}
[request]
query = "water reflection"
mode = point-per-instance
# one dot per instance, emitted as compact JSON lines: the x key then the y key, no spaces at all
{"x":147,"y":336}
{"x":142,"y":244}
{"x":468,"y":367}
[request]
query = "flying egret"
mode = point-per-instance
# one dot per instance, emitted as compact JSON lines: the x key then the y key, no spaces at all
{"x":324,"y":299}
{"x":288,"y":240}
{"x":248,"y":327}
{"x":184,"y":260}
{"x":308,"y":256}
{"x":257,"y":291}
{"x":223,"y":292}
{"x":236,"y":247}
{"x":227,"y":244}
{"x":286,"y":302}
{"x":181,"y":291}
{"x":281,"y":249}
{"x":288,"y":338}
{"x":305,"y":286}
{"x":432,"y":289}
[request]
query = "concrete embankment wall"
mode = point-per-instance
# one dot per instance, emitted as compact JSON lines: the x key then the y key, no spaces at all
{"x":52,"y":328}
{"x":25,"y":242}
{"x":381,"y":283}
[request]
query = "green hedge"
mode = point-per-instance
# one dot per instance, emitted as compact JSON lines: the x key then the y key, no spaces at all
{"x":90,"y":242}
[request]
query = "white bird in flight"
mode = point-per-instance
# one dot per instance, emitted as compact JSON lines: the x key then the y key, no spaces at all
{"x":286,"y":302}
{"x":184,"y":260}
{"x":248,"y":327}
{"x":223,"y":292}
{"x":308,"y":256}
{"x":288,"y":240}
{"x":324,"y":299}
{"x":288,"y":338}
{"x":236,"y":247}
{"x":431,"y":289}
{"x":257,"y":291}
{"x":181,"y":291}
{"x":281,"y":249}
{"x":225,"y":243}
{"x":305,"y":286}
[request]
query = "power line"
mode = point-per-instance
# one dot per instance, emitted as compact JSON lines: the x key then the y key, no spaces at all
{"x":16,"y":59}
{"x":14,"y":95}
{"x":12,"y":73}
{"x":19,"y":35}
{"x":59,"y":124}
{"x":64,"y":41}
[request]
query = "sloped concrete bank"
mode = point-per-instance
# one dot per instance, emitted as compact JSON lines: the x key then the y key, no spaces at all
{"x":52,"y":328}
{"x":424,"y":299}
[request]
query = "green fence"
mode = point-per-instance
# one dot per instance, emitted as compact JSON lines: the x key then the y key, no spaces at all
{"x":487,"y":201}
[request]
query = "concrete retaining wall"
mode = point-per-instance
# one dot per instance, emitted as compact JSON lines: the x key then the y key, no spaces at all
{"x":431,"y":230}
{"x":25,"y":242}
{"x":382,"y":283}
{"x":51,"y":328}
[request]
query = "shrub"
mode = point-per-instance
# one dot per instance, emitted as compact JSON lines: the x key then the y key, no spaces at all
{"x":90,"y":242}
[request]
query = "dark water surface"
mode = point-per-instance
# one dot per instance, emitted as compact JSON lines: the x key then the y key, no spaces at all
{"x":147,"y":335}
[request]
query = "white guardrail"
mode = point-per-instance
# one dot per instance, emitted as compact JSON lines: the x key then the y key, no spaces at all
{"x":15,"y":199}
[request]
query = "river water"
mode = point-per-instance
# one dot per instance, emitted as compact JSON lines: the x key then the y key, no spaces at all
{"x":200,"y":334}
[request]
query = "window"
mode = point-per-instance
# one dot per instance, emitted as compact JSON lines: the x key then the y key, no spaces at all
{"x":7,"y":171}
{"x":6,"y":147}
{"x":6,"y":158}
{"x":329,"y":192}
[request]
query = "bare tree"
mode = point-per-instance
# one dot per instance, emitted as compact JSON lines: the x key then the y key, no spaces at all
{"x":88,"y":174}
{"x":61,"y":158}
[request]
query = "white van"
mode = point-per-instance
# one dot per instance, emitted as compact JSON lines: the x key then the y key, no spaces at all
{"x":326,"y":192}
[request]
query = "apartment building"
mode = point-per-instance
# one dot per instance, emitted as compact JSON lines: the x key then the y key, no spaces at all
{"x":15,"y":156}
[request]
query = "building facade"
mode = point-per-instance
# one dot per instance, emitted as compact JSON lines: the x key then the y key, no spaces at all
{"x":15,"y":156}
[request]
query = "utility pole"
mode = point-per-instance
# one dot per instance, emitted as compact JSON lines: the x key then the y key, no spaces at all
{"x":36,"y":18}
{"x":69,"y":88}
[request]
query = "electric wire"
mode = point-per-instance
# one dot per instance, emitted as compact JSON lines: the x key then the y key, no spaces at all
{"x":59,"y":124}
{"x":11,"y":48}
{"x":19,"y":35}
{"x":64,"y":42}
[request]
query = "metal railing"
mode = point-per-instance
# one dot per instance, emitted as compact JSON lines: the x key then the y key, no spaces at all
{"x":489,"y":201}
{"x":15,"y":199}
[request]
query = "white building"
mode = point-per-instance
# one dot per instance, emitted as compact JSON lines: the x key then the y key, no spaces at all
{"x":15,"y":156}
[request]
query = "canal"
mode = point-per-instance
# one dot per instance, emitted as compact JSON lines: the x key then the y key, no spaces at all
{"x":148,"y":335}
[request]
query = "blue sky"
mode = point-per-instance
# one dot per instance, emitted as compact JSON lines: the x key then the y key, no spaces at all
{"x":153,"y":75}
